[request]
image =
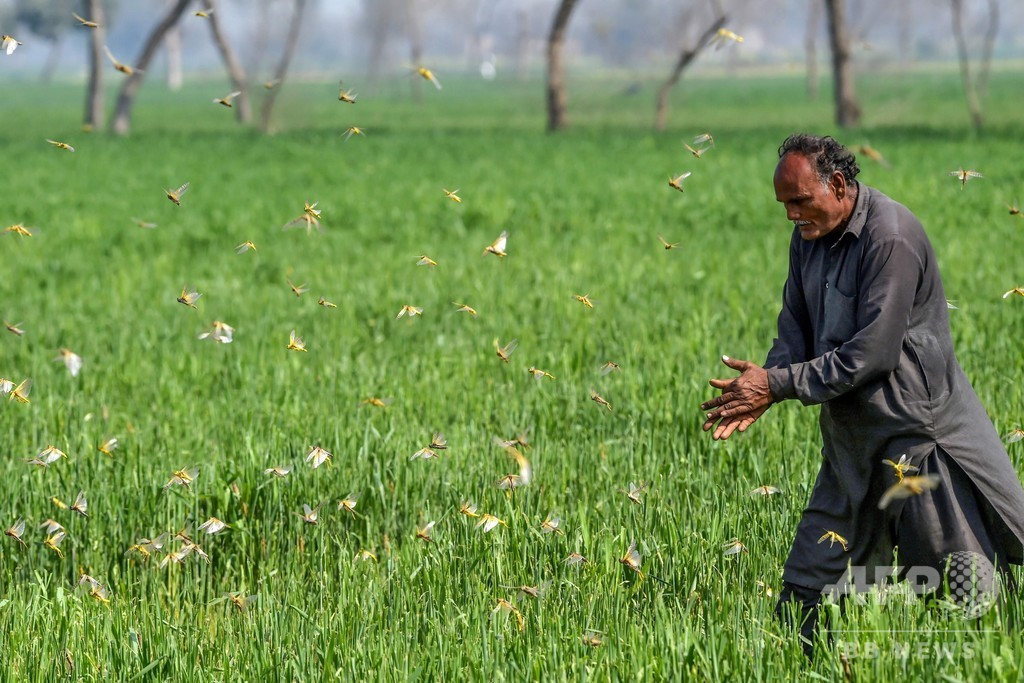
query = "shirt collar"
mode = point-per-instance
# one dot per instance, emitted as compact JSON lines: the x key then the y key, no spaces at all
{"x":860,"y":213}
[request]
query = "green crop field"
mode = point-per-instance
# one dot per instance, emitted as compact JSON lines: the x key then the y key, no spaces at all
{"x":583,"y":211}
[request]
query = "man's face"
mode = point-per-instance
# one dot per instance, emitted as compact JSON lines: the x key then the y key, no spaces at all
{"x":815,"y":208}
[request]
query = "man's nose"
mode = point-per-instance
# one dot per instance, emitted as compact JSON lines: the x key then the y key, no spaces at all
{"x":792,"y":213}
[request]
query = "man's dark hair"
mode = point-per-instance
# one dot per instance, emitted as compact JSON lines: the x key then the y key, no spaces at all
{"x":827,"y":155}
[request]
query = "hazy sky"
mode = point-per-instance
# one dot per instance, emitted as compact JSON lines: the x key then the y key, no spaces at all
{"x":638,"y":35}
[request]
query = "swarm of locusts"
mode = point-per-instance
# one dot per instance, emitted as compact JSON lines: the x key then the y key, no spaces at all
{"x":169,"y":548}
{"x":195,"y":542}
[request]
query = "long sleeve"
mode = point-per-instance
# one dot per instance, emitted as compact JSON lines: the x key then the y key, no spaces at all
{"x":890,"y":271}
{"x":793,"y":341}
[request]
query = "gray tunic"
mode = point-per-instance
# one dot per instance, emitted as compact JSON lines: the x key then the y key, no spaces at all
{"x":864,"y":331}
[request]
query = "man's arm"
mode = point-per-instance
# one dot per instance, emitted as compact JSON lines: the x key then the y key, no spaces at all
{"x":890,"y":272}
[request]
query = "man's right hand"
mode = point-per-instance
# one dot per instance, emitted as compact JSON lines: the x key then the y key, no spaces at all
{"x":728,"y":425}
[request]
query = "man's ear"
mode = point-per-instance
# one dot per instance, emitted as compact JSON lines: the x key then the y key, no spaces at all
{"x":838,"y":183}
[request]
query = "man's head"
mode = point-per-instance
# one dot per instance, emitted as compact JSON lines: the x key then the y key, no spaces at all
{"x":814,"y":180}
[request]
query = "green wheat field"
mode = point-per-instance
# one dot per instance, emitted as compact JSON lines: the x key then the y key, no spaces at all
{"x":583,"y":211}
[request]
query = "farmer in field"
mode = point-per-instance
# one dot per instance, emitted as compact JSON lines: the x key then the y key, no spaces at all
{"x":864,"y":332}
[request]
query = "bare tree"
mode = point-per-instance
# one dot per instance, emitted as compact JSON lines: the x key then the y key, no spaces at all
{"x":522,"y":38}
{"x":172,"y":45}
{"x":479,"y":39}
{"x":242,"y":106}
{"x":50,"y":20}
{"x":415,"y":34}
{"x":687,"y":56}
{"x":52,"y":59}
{"x":986,"y":53}
{"x":903,"y":24}
{"x":257,"y":45}
{"x":847,"y":109}
{"x":973,"y":103}
{"x":290,"y":44}
{"x":811,"y":48}
{"x":557,"y":98}
{"x":122,"y":121}
{"x":380,"y":20}
{"x":93,"y":114}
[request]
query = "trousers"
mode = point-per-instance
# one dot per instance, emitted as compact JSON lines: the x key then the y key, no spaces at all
{"x":939,"y":535}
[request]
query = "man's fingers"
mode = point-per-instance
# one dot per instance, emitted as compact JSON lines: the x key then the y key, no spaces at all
{"x":731,"y":408}
{"x":725,"y":429}
{"x":720,"y":383}
{"x":731,"y":418}
{"x":716,"y":401}
{"x":711,"y":403}
{"x":735,"y":363}
{"x":719,"y":430}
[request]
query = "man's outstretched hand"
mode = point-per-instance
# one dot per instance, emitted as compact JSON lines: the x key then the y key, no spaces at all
{"x":743,"y":399}
{"x":728,"y":425}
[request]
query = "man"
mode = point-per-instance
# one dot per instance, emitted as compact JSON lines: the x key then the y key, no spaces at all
{"x":864,"y":332}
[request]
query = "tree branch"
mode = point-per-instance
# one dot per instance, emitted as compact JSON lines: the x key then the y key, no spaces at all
{"x":687,"y":56}
{"x":122,"y":121}
{"x":282,"y":66}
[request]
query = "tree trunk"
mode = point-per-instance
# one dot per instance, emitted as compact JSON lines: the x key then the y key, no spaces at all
{"x":904,"y":33}
{"x":847,"y":109}
{"x":93,"y":115}
{"x":522,"y":44}
{"x":557,"y":98}
{"x":172,"y":45}
{"x":687,"y":56}
{"x":52,"y":59}
{"x":257,"y":47}
{"x":474,"y":47}
{"x":986,"y":52}
{"x":811,"y":48}
{"x":415,"y":47}
{"x":122,"y":121}
{"x":378,"y":15}
{"x":243,"y":109}
{"x":282,"y":67}
{"x":973,"y":105}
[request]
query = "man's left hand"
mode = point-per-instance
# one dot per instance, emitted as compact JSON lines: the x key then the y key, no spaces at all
{"x":744,"y":394}
{"x":737,"y":423}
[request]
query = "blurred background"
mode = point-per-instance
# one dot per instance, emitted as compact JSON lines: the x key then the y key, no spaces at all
{"x":377,"y":36}
{"x":368,"y":43}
